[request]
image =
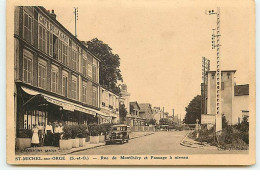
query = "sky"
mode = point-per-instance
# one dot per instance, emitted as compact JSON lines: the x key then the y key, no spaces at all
{"x":161,"y":45}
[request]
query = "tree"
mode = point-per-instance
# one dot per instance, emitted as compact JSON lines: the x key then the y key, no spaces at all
{"x":193,"y":111}
{"x":150,"y":121}
{"x":109,"y":72}
{"x":122,"y":113}
{"x":243,"y":127}
{"x":164,"y":121}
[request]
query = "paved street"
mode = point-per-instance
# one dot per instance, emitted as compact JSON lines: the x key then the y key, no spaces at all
{"x":160,"y":143}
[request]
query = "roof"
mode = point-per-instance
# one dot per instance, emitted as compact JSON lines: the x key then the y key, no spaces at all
{"x":240,"y":90}
{"x":144,"y":106}
{"x":134,"y":103}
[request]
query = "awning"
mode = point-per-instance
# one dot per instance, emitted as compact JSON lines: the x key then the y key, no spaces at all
{"x":106,"y":114}
{"x":104,"y":117}
{"x":66,"y":105}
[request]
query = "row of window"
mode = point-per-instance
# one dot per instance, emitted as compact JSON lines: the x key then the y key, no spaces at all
{"x":109,"y":100}
{"x":91,"y":93}
{"x":68,"y":54}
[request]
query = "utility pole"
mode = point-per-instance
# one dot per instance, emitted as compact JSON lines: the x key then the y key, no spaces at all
{"x":216,"y":45}
{"x":205,"y":68}
{"x":76,"y":14}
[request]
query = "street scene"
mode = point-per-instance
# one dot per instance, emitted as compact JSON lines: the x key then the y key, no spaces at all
{"x":81,"y":91}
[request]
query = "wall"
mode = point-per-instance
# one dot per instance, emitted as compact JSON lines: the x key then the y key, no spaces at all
{"x":226,"y":95}
{"x":240,"y":103}
{"x":20,"y":45}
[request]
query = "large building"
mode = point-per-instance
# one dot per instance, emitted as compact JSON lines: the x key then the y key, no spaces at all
{"x":234,"y":98}
{"x":56,"y":77}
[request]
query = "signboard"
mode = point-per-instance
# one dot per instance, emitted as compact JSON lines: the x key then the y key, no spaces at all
{"x":208,"y":119}
{"x":50,"y":27}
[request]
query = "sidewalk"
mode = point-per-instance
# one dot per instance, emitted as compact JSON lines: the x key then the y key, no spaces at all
{"x":188,"y":142}
{"x":51,"y":150}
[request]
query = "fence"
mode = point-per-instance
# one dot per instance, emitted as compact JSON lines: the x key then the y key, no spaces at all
{"x":142,"y":128}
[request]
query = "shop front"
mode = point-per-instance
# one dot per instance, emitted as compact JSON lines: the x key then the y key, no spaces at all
{"x":36,"y":109}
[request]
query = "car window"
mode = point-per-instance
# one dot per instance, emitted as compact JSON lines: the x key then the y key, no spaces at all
{"x":119,"y":128}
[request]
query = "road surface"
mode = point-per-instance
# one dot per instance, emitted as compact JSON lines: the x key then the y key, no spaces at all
{"x":159,"y":143}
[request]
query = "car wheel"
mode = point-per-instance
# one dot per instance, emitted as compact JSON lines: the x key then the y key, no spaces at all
{"x":122,"y":141}
{"x":107,"y":142}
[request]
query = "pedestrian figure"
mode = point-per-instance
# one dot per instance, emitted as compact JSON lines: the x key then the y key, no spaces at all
{"x":41,"y":133}
{"x":35,"y":137}
{"x":56,"y":135}
{"x":60,"y":130}
{"x":49,"y":135}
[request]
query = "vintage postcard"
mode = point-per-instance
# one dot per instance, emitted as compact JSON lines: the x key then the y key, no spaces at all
{"x":127,"y":82}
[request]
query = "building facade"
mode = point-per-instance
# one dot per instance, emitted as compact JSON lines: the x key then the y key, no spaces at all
{"x":234,"y":98}
{"x":56,"y":77}
{"x":157,"y":114}
{"x":124,"y":100}
{"x":146,"y":110}
{"x":134,"y":119}
{"x":241,"y":103}
{"x":109,"y":107}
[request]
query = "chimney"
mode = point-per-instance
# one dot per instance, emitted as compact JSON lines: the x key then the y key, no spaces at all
{"x":53,"y":15}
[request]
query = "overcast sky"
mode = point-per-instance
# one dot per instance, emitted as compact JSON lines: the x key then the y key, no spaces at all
{"x":161,"y":44}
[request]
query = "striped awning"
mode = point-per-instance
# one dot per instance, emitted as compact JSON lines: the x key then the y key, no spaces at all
{"x":66,"y":105}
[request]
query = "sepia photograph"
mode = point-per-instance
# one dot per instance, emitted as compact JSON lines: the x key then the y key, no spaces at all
{"x":131,"y":82}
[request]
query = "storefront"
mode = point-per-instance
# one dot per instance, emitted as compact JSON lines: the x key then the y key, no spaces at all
{"x":35,"y":108}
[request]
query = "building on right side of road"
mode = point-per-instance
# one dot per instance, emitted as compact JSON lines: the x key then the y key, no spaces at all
{"x":234,"y":98}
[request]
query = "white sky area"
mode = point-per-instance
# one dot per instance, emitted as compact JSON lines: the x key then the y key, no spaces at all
{"x":161,"y":44}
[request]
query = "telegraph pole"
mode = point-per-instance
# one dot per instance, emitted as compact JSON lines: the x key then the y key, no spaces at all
{"x":216,"y":45}
{"x":76,"y":14}
{"x":205,"y":68}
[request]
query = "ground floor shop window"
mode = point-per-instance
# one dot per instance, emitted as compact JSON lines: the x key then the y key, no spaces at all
{"x":34,"y":117}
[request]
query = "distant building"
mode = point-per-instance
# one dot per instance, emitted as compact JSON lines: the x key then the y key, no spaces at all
{"x":157,"y":114}
{"x":124,"y":99}
{"x":134,"y":119}
{"x":109,"y":107}
{"x":146,"y":110}
{"x":241,"y":103}
{"x":235,"y":98}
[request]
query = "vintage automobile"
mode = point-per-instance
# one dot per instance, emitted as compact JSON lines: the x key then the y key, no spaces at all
{"x":118,"y":133}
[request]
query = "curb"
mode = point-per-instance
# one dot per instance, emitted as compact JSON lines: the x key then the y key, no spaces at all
{"x":79,"y":150}
{"x":191,"y":146}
